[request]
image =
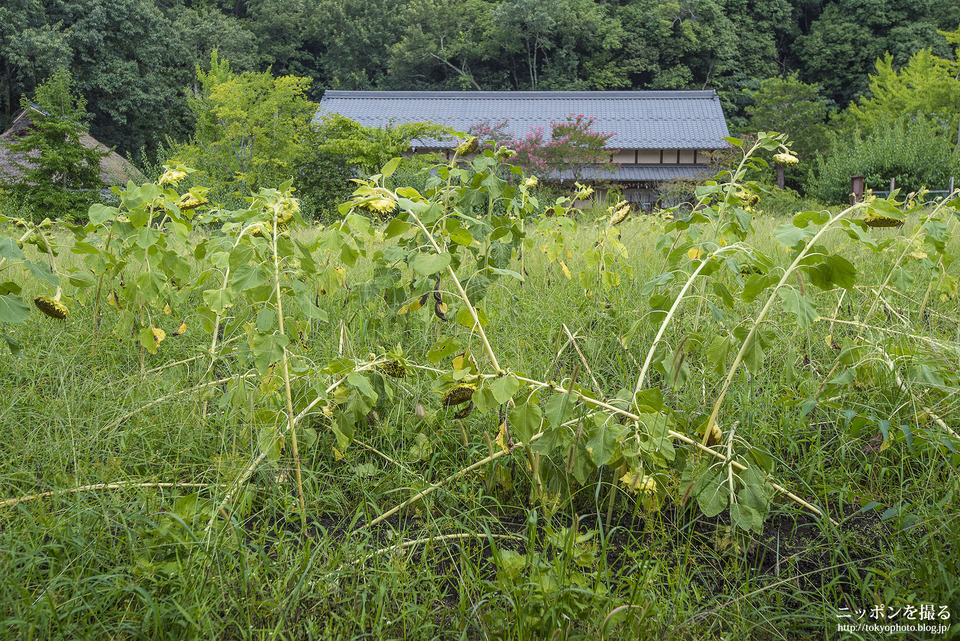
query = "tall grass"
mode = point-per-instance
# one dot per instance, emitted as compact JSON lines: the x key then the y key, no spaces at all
{"x":131,"y":554}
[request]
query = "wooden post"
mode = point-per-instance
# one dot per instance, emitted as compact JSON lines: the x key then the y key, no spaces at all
{"x":856,"y":189}
{"x":893,"y":185}
{"x":951,"y":184}
{"x":780,"y":182}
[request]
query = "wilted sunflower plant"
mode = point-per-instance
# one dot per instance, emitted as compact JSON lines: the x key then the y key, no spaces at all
{"x":445,"y":254}
{"x":444,"y":248}
{"x":141,"y":254}
{"x":40,"y":266}
{"x":425,"y":260}
{"x":708,"y":257}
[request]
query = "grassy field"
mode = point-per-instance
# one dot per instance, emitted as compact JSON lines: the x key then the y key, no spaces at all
{"x":126,"y":510}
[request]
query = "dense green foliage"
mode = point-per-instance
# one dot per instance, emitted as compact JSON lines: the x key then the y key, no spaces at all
{"x":61,"y":177}
{"x":338,"y":150}
{"x":137,"y":96}
{"x":229,"y":425}
{"x":926,"y":87}
{"x":914,"y":153}
{"x":250,"y":127}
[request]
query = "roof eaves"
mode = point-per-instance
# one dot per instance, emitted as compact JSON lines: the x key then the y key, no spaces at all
{"x":519,"y":95}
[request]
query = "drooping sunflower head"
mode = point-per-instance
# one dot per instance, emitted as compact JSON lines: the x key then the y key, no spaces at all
{"x":583,"y":192}
{"x":874,"y":219}
{"x":716,"y":434}
{"x":285,"y":209}
{"x":748,"y":198}
{"x":394,"y":369}
{"x":638,"y":482}
{"x":381,"y":205}
{"x":52,"y":307}
{"x":468,"y":146}
{"x":786,"y":158}
{"x":458,"y":396}
{"x":619,"y":212}
{"x":172,"y":177}
{"x":189,"y":201}
{"x":259,"y":230}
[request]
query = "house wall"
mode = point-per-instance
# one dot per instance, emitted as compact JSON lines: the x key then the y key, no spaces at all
{"x":623,"y":156}
{"x":648,"y":156}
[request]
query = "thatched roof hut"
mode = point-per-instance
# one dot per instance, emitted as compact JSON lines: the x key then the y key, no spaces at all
{"x":114,"y":168}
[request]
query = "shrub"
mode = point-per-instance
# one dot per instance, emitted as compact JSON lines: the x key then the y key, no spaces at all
{"x":916,"y":153}
{"x":572,"y":146}
{"x":339,"y":149}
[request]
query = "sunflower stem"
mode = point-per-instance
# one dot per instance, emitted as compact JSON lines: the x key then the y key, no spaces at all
{"x":763,"y":314}
{"x":286,"y":380}
{"x":464,"y":297}
{"x":96,"y":298}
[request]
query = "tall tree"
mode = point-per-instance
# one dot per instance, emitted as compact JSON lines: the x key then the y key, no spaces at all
{"x":249,"y":127}
{"x":685,"y":45}
{"x":31,"y":48}
{"x":128,"y":62}
{"x":558,"y":43}
{"x":56,"y":174}
{"x":845,"y":40}
{"x":200,"y":32}
{"x":352,"y":40}
{"x":283,"y":28}
{"x":788,"y":105}
{"x":445,"y":45}
{"x":928,"y":86}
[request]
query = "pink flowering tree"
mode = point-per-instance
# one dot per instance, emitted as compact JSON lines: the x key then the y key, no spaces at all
{"x":572,"y":145}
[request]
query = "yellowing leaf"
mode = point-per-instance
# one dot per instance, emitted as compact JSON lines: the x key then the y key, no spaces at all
{"x":695,"y":254}
{"x":637,"y":481}
{"x":166,"y":309}
{"x":415,"y":305}
{"x":270,"y":383}
{"x":337,"y":454}
{"x":112,"y":300}
{"x":150,"y":337}
{"x":566,"y":270}
{"x":182,"y":329}
{"x":465,"y":361}
{"x":502,"y":438}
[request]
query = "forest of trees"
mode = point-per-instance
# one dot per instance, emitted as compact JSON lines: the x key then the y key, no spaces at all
{"x":786,"y":65}
{"x":133,"y":59}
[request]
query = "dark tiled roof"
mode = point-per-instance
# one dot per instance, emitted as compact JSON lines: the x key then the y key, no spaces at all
{"x":638,"y":173}
{"x":638,"y":119}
